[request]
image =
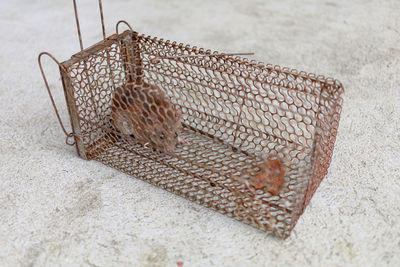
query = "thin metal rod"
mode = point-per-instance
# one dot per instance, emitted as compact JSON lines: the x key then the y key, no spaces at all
{"x":77,"y":25}
{"x":102,"y":19}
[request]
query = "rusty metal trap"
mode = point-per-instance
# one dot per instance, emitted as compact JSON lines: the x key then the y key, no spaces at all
{"x":249,"y":140}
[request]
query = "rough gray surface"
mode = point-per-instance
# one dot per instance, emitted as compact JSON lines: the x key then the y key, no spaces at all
{"x":58,"y":208}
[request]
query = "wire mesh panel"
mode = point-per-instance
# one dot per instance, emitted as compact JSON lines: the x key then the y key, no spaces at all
{"x":258,"y":138}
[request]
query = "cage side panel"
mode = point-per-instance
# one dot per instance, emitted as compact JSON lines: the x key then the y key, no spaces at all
{"x":94,"y":78}
{"x":253,"y":108}
{"x":72,"y":110}
{"x":328,"y":123}
{"x":94,"y":74}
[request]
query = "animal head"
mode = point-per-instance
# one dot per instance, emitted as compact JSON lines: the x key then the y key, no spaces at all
{"x":166,"y":130}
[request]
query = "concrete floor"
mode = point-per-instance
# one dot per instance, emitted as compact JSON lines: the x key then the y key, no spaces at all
{"x":57,"y":209}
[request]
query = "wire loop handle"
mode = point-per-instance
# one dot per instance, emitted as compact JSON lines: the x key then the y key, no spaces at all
{"x":124,"y":22}
{"x":69,"y":135}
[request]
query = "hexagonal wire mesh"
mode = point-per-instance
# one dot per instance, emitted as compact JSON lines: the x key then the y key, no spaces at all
{"x":237,"y":116}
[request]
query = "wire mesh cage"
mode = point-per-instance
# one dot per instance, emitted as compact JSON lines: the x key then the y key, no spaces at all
{"x":249,"y":140}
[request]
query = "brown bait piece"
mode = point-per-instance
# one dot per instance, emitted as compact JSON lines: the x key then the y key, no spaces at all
{"x":270,"y":176}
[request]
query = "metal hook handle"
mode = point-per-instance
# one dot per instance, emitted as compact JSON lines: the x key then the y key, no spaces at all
{"x":124,"y":22}
{"x":69,"y":135}
{"x":79,"y":28}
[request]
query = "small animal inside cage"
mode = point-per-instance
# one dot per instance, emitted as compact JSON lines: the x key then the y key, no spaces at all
{"x":144,"y":114}
{"x":250,"y":140}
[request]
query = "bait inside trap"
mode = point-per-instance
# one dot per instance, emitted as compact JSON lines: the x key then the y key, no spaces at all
{"x":258,"y":138}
